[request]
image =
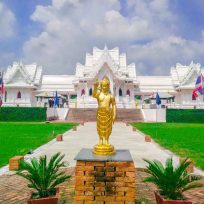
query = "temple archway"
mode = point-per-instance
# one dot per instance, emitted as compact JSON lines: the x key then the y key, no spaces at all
{"x":90,"y":92}
{"x":19,"y":95}
{"x":105,"y":71}
{"x":128,"y":92}
{"x":120,"y":92}
{"x":82,"y":92}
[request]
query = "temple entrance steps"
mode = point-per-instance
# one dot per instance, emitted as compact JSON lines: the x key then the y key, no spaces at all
{"x":81,"y":114}
{"x":89,"y":114}
{"x":126,"y":114}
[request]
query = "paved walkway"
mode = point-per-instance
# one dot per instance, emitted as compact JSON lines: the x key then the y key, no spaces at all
{"x":123,"y":137}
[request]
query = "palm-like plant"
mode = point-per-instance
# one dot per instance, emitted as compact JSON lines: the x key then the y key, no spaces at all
{"x":171,"y":182}
{"x":43,"y":176}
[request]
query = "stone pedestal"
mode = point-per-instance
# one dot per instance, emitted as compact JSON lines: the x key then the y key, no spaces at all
{"x":104,"y":179}
{"x":14,"y":163}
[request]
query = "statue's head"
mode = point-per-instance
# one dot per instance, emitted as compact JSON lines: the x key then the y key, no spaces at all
{"x":105,"y":85}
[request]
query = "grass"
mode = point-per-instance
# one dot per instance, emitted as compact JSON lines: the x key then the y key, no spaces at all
{"x":186,"y":140}
{"x":19,"y":138}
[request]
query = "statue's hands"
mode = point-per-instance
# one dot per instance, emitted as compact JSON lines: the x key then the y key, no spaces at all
{"x":96,"y":83}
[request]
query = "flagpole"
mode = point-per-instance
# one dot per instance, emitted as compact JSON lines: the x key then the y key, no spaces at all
{"x":201,"y":78}
{"x":2,"y":88}
{"x":1,"y":97}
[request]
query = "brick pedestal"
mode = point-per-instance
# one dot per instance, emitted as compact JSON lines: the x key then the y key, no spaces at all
{"x":147,"y":138}
{"x":105,"y":179}
{"x":134,"y":129}
{"x":14,"y":163}
{"x":59,"y":137}
{"x":190,"y":168}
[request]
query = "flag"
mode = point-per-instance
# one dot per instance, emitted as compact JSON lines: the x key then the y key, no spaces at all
{"x":199,"y":89}
{"x":56,"y":100}
{"x":158,"y":100}
{"x":1,"y":84}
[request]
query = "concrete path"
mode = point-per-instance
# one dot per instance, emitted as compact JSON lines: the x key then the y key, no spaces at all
{"x":122,"y":138}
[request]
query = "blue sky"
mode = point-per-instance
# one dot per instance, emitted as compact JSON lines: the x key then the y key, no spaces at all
{"x":191,"y":17}
{"x":25,"y":27}
{"x":155,"y":34}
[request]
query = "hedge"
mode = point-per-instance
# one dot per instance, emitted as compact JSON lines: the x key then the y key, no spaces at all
{"x":185,"y":115}
{"x":30,"y":114}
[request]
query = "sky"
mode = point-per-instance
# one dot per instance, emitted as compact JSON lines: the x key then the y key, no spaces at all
{"x":155,"y":34}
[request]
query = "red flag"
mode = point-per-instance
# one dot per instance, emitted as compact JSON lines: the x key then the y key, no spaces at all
{"x":199,"y":89}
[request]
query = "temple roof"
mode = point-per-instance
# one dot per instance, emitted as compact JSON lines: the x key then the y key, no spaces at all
{"x":109,"y":57}
{"x":61,"y":83}
{"x":20,"y":74}
{"x":155,"y":83}
{"x":102,"y":62}
{"x":185,"y":74}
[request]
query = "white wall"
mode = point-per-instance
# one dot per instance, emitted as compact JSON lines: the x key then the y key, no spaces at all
{"x":154,"y":115}
{"x":25,"y":100}
{"x":61,"y":113}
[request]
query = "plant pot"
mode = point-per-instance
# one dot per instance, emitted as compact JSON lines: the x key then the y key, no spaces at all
{"x":161,"y":200}
{"x":49,"y":200}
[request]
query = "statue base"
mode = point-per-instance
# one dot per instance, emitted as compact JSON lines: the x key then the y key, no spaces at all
{"x":104,"y":179}
{"x":103,"y":149}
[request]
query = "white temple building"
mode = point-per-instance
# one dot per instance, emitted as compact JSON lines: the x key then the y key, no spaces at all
{"x":25,"y":85}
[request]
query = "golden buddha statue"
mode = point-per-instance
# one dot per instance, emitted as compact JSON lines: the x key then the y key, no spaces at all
{"x":106,"y":115}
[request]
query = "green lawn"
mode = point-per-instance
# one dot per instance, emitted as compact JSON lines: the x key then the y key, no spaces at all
{"x":19,"y":138}
{"x":186,"y":140}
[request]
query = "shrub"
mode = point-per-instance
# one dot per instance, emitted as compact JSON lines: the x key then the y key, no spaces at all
{"x":43,"y":176}
{"x":171,"y":182}
{"x":185,"y":115}
{"x":29,"y":114}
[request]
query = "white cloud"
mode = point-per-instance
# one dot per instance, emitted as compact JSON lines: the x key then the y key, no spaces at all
{"x":7,"y":20}
{"x":146,"y":30}
{"x":118,"y":28}
{"x":159,"y":55}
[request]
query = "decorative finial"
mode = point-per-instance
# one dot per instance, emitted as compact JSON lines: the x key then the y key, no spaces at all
{"x":105,"y":47}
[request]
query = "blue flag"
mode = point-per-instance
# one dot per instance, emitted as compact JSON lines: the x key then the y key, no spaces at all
{"x":56,"y":100}
{"x":158,"y":100}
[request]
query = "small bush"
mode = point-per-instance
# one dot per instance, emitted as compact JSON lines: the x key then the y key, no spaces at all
{"x":185,"y":115}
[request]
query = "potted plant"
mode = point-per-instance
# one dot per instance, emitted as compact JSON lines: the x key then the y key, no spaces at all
{"x":43,"y":177}
{"x":171,"y":182}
